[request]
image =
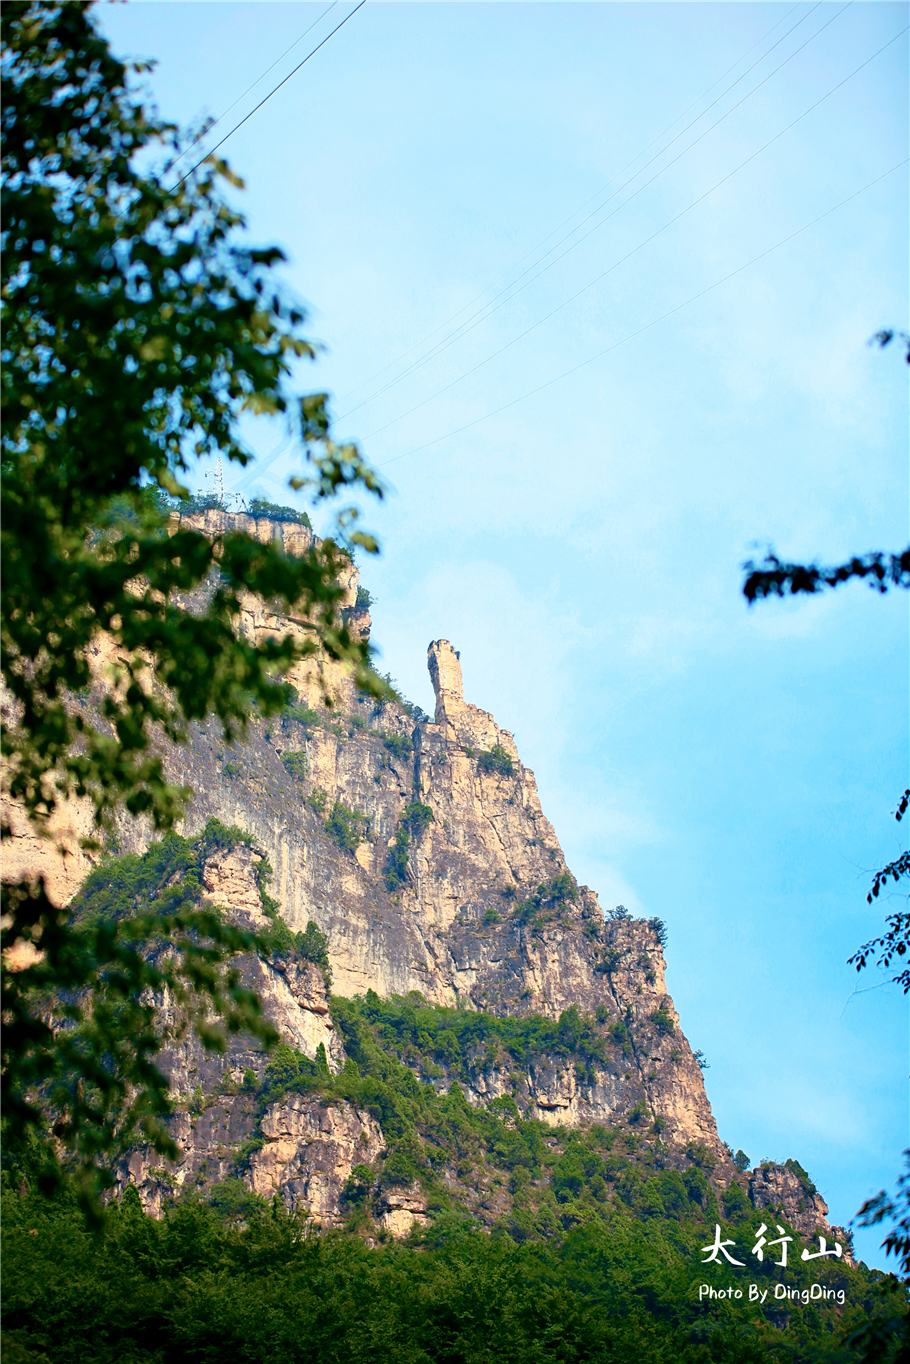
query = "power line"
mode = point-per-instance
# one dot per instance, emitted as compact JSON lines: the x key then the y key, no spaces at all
{"x":488,"y":310}
{"x":258,"y":466}
{"x":580,"y":209}
{"x":225,"y":112}
{"x":463,"y":327}
{"x":506,"y":297}
{"x":269,"y":95}
{"x":641,"y":244}
{"x":648,"y":325}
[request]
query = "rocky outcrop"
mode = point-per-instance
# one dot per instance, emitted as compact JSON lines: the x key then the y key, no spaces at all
{"x":58,"y":856}
{"x":209,"y":1133}
{"x":229,"y":878}
{"x":292,"y":992}
{"x":420,"y":849}
{"x":787,"y":1192}
{"x":294,"y":538}
{"x":309,"y":1149}
{"x":399,"y":1210}
{"x":301,"y":1148}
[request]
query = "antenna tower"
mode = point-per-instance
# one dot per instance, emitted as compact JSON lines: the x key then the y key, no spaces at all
{"x":217,"y":477}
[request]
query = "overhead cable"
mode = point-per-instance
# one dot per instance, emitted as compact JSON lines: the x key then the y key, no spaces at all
{"x":195,"y":143}
{"x":641,"y":244}
{"x":506,"y":296}
{"x":258,"y":467}
{"x":510,"y":290}
{"x":269,"y":95}
{"x":648,"y":325}
{"x":350,"y":393}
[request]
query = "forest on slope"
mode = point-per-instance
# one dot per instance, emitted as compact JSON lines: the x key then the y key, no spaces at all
{"x":466,"y":1232}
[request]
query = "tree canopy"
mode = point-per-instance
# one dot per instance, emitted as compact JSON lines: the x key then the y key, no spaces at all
{"x":882,"y":571}
{"x":139,"y":329}
{"x":141,"y":333}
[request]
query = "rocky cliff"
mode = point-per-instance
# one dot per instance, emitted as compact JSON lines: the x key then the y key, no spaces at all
{"x":419,"y":848}
{"x":482,"y":914}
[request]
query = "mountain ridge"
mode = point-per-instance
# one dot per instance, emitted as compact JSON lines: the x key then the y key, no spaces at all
{"x":418,"y":851}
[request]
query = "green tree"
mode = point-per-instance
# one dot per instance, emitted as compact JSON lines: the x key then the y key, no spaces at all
{"x":141,"y":331}
{"x":774,"y":578}
{"x":882,"y":571}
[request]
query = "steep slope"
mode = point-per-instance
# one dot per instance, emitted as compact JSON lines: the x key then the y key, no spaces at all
{"x":483,"y":913}
{"x":419,"y":849}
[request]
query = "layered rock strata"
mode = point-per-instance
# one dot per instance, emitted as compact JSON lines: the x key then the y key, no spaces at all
{"x":790,"y":1194}
{"x":461,"y":927}
{"x":449,"y":881}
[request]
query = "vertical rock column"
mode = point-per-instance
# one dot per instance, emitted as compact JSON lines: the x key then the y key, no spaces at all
{"x":445,"y":674}
{"x":464,"y":723}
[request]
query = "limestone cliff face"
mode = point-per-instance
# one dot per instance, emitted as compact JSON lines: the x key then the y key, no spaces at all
{"x":789,"y":1193}
{"x":309,"y":1150}
{"x":421,"y":850}
{"x":59,"y":857}
{"x":304,"y":1151}
{"x":294,"y":1001}
{"x":460,"y":926}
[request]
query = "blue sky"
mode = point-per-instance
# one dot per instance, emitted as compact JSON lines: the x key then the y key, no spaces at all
{"x":730,"y":770}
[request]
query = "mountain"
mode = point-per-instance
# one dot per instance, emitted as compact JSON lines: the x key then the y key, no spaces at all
{"x":445,"y":991}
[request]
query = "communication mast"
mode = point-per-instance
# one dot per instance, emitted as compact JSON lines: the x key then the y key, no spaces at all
{"x":217,"y":477}
{"x":226,"y":501}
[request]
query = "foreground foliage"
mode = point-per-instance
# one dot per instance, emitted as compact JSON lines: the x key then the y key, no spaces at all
{"x":140,"y":332}
{"x":80,"y":1063}
{"x":250,"y":1282}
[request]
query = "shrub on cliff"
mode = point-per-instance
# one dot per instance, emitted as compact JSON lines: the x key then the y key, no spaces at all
{"x":314,"y":945}
{"x":396,"y":867}
{"x":399,"y":745}
{"x":415,"y":820}
{"x":346,"y":827}
{"x":659,"y":929}
{"x":548,"y":900}
{"x":271,"y":511}
{"x":295,"y":764}
{"x":496,"y":759}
